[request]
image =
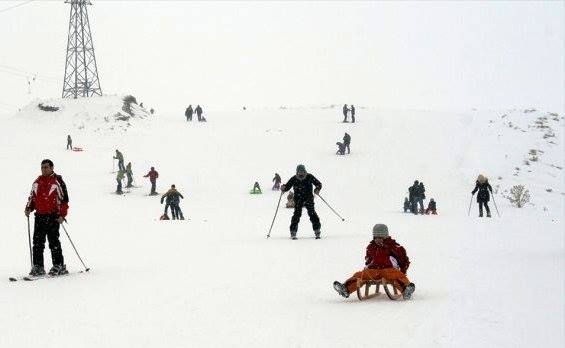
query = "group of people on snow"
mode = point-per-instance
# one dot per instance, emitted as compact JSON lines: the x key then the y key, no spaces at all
{"x":123,"y":171}
{"x":198,"y":111}
{"x":172,"y":199}
{"x":341,"y":147}
{"x":346,"y":111}
{"x":414,"y":203}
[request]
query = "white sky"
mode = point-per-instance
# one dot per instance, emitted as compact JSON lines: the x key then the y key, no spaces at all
{"x":430,"y":55}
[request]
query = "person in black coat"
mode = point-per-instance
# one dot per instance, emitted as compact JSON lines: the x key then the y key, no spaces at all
{"x":483,"y":197}
{"x":345,"y":111}
{"x":347,"y":142}
{"x":413,"y":197}
{"x":302,"y":183}
{"x":188,"y":113}
{"x":352,"y":113}
{"x":406,"y":205}
{"x":199,"y":112}
{"x":421,"y":197}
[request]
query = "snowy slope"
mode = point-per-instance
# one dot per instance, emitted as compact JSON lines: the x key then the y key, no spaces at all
{"x":216,"y":280}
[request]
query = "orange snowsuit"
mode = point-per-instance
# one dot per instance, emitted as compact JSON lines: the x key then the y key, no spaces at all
{"x":392,"y":275}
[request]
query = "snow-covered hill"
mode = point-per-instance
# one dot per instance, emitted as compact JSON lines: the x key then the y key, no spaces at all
{"x":215,"y":280}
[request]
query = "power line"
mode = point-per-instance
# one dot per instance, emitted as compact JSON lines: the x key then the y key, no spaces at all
{"x":14,"y":6}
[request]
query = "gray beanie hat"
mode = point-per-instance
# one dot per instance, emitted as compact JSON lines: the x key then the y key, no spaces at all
{"x":380,"y":230}
{"x":301,"y":168}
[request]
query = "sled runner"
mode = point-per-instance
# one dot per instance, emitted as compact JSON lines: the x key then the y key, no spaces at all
{"x":364,"y":290}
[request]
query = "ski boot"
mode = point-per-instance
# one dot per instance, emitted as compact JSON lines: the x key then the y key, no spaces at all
{"x":317,"y":233}
{"x":293,"y":235}
{"x":488,"y":215}
{"x":58,"y":270}
{"x":37,"y":271}
{"x":341,"y":289}
{"x":408,"y":291}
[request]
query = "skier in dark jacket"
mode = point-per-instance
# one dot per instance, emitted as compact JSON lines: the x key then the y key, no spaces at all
{"x":199,"y":112}
{"x":483,"y":197}
{"x":188,"y":113}
{"x":347,"y":142}
{"x":302,"y":183}
{"x":50,"y":200}
{"x":352,"y":113}
{"x":277,"y":180}
{"x":345,"y":110}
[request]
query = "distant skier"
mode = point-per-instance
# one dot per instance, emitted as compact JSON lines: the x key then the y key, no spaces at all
{"x":302,"y":183}
{"x":199,"y":113}
{"x":421,"y":196}
{"x":385,"y":258}
{"x":152,"y":175}
{"x":432,"y":207}
{"x":483,"y":197}
{"x":352,"y":113}
{"x":129,"y":174}
{"x":340,"y":148}
{"x":256,"y":189}
{"x":173,"y":199}
{"x":347,"y":141}
{"x":120,"y":157}
{"x":188,"y":113}
{"x":413,"y":197}
{"x":406,"y":205}
{"x":345,"y":111}
{"x":277,"y":180}
{"x":290,"y":200}
{"x":119,"y":178}
{"x":69,"y":143}
{"x":50,"y":200}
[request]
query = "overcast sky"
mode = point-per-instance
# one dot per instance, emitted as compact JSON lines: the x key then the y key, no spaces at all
{"x":430,"y":55}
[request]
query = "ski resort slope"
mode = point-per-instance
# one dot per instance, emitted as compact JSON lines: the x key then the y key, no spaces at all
{"x":216,"y":280}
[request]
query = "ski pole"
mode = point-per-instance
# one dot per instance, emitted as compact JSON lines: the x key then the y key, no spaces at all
{"x":329,"y":206}
{"x":276,"y":212}
{"x":470,"y":203}
{"x":86,"y":269}
{"x":29,"y":242}
{"x":495,"y":207}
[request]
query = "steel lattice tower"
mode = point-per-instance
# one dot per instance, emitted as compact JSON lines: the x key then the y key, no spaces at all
{"x":81,"y":72}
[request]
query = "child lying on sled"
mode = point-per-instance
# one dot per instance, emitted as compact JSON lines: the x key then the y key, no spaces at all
{"x":386,"y":259}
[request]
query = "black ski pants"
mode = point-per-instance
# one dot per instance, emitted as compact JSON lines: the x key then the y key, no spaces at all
{"x":481,"y":203}
{"x":309,"y":205}
{"x":46,"y":226}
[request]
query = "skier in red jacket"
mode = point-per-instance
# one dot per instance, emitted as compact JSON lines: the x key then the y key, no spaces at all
{"x":385,"y":258}
{"x":50,"y":200}
{"x":152,"y":175}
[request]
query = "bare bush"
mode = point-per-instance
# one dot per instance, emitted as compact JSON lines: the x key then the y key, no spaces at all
{"x":519,"y":196}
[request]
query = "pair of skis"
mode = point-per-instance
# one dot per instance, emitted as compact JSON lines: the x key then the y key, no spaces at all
{"x":46,"y":276}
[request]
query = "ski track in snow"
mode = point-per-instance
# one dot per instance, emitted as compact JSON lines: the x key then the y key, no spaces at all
{"x":215,"y":280}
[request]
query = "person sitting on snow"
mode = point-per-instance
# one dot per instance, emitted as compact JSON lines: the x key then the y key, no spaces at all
{"x":256,"y":188}
{"x":406,"y":205}
{"x":431,"y":207}
{"x":386,"y":259}
{"x":340,"y":148}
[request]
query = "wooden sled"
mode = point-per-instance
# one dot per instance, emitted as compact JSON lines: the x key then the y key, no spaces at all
{"x":364,"y":290}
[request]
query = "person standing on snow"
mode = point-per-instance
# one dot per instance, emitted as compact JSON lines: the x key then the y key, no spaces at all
{"x":421,"y":196}
{"x":302,"y":183}
{"x":347,"y":141}
{"x":119,"y":178}
{"x":50,"y":200}
{"x":173,"y":197}
{"x":120,"y":157}
{"x":188,"y":113}
{"x":413,"y":197}
{"x":352,"y":113}
{"x":69,"y":143}
{"x":345,"y":110}
{"x":129,"y":174}
{"x":483,"y":197}
{"x":152,"y":175}
{"x":385,"y":258}
{"x":199,"y":113}
{"x":277,"y":180}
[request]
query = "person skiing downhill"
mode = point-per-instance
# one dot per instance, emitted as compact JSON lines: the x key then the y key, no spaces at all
{"x":152,"y":175}
{"x":385,"y":258}
{"x":277,"y":180}
{"x":302,"y":183}
{"x":50,"y":201}
{"x":483,"y":197}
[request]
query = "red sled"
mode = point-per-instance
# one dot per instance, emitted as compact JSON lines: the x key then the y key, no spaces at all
{"x":77,"y":149}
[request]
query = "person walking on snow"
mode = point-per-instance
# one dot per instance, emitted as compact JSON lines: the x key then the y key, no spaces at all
{"x":188,"y":113}
{"x":352,"y":113}
{"x":345,"y":110}
{"x":152,"y":175}
{"x":385,"y":258}
{"x":129,"y":174}
{"x":199,"y":113}
{"x":69,"y":143}
{"x":483,"y":197}
{"x":173,"y":199}
{"x":50,"y":200}
{"x":302,"y":183}
{"x":277,"y":180}
{"x":347,"y":141}
{"x":119,"y":178}
{"x":120,"y":157}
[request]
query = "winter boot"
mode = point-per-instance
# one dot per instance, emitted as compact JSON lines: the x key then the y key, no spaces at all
{"x":293,"y":235}
{"x":37,"y":271}
{"x":317,"y":233}
{"x":58,"y":270}
{"x":488,"y":214}
{"x":408,"y":291}
{"x":341,"y":289}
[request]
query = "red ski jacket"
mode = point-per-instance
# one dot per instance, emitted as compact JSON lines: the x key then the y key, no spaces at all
{"x":153,"y":175}
{"x":49,"y":196}
{"x":389,"y":255}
